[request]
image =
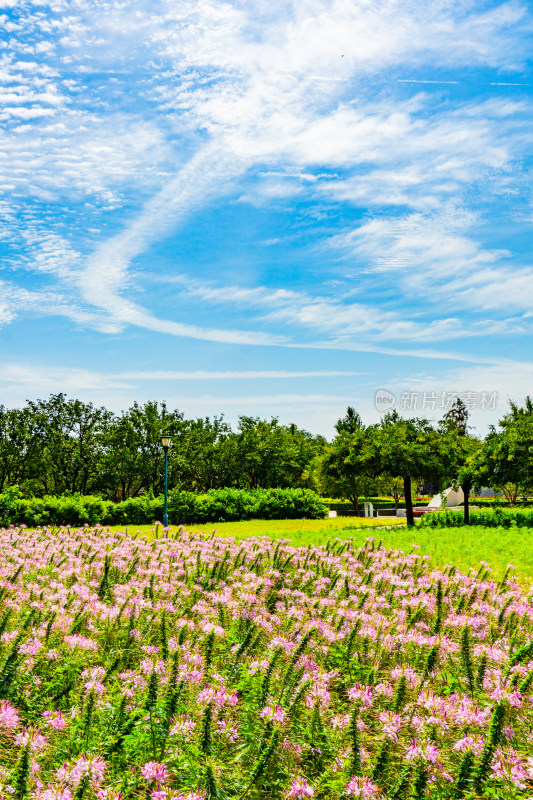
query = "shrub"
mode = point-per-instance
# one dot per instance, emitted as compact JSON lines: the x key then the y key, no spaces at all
{"x":499,"y":517}
{"x":216,"y":505}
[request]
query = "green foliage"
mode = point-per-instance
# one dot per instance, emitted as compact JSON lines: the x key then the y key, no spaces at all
{"x":494,"y":518}
{"x":61,"y":446}
{"x":184,"y":507}
{"x":22,"y":774}
{"x":493,"y":739}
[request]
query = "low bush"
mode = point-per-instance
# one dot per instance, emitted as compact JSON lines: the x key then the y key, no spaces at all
{"x":500,"y":502}
{"x":495,"y":518}
{"x":184,"y":507}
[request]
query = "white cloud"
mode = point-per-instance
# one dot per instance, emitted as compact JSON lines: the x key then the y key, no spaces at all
{"x":281,"y":90}
{"x":217,"y":375}
{"x":349,"y":324}
{"x":435,"y":257}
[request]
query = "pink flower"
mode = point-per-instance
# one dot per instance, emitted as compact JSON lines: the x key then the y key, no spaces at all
{"x":361,"y":787}
{"x":33,"y":738}
{"x":362,"y":693}
{"x":183,"y":726}
{"x":391,"y":724}
{"x":469,"y":743}
{"x":300,"y":789}
{"x":276,"y":714}
{"x":55,"y":721}
{"x":190,"y":796}
{"x":153,"y":771}
{"x":426,"y":751}
{"x":9,"y":717}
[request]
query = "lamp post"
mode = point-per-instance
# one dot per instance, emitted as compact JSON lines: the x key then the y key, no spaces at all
{"x":165,"y":441}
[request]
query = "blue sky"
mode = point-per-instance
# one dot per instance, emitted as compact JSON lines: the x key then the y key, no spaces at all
{"x":268,"y":208}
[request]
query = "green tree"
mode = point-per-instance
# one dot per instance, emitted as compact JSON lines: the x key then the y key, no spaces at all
{"x":133,"y":454}
{"x":69,"y":436}
{"x":462,"y":449}
{"x":346,"y":470}
{"x":350,"y":423}
{"x":272,"y":455}
{"x":406,"y":448}
{"x":391,"y":485}
{"x":203,"y":456}
{"x":505,"y":461}
{"x":19,"y":452}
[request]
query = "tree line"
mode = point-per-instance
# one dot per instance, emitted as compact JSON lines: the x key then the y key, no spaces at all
{"x":65,"y":446}
{"x":59,"y":445}
{"x":399,"y":454}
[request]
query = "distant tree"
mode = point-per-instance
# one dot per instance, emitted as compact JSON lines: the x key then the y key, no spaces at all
{"x":268,"y":454}
{"x":391,"y":485}
{"x":407,"y":448}
{"x":134,"y":458}
{"x":204,"y":455}
{"x":456,"y":419}
{"x":350,"y":423}
{"x":345,"y":469}
{"x":20,"y":456}
{"x":69,"y":436}
{"x":462,"y":449}
{"x":505,"y":461}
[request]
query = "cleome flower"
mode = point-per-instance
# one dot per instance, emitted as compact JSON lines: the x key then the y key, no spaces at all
{"x":9,"y":717}
{"x":361,"y":787}
{"x":300,"y":789}
{"x":153,"y":771}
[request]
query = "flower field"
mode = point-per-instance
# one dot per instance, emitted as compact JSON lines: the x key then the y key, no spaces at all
{"x":201,"y":667}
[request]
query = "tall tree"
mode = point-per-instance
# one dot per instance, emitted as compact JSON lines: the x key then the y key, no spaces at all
{"x":134,"y":456}
{"x":350,"y":423}
{"x":407,"y":448}
{"x":70,"y":436}
{"x":456,"y":419}
{"x":270,"y":454}
{"x":463,"y":449}
{"x":20,"y":455}
{"x":346,"y":470}
{"x":505,"y":461}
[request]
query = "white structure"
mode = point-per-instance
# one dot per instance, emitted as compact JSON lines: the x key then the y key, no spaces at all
{"x":452,"y":499}
{"x":369,"y":510}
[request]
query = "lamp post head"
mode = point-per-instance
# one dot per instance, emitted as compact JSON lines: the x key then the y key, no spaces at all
{"x":166,"y":442}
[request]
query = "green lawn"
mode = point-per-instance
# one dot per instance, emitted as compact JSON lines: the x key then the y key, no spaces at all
{"x":300,"y":531}
{"x":462,"y":547}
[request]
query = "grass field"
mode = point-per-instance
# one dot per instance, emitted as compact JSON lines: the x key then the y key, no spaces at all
{"x":300,"y":531}
{"x":462,"y":547}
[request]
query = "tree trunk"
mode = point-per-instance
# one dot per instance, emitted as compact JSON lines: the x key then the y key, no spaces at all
{"x":467,"y":485}
{"x":408,"y":500}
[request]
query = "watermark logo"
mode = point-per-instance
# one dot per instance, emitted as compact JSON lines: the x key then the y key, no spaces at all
{"x":385,"y":401}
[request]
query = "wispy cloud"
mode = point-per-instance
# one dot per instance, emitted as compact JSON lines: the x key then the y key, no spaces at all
{"x":436,"y":257}
{"x":371,"y":145}
{"x":255,"y":105}
{"x":217,"y":375}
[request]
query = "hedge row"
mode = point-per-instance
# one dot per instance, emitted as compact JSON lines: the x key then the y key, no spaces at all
{"x":500,"y":502}
{"x":377,"y":502}
{"x":499,"y":517}
{"x":217,"y":505}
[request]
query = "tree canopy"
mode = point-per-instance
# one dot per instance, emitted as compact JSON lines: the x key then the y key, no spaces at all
{"x":61,"y":445}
